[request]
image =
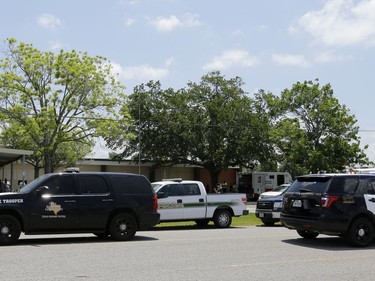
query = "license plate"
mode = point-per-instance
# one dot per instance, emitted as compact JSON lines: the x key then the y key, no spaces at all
{"x":297,"y":203}
{"x":261,"y":215}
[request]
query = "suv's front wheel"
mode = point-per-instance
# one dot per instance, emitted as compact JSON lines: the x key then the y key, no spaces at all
{"x":123,"y":227}
{"x":10,"y":230}
{"x":360,"y":233}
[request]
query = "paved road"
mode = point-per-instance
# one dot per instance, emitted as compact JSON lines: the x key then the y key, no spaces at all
{"x":243,"y":253}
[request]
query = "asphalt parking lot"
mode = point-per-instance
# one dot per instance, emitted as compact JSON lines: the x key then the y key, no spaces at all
{"x":237,"y":253}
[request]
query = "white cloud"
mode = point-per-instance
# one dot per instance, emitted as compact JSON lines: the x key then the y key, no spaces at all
{"x":129,"y":22}
{"x":329,"y":56}
{"x":288,"y":59}
{"x":236,"y":57}
{"x":55,"y":45}
{"x":140,"y":72}
{"x":340,"y":23}
{"x":172,"y":22}
{"x":47,"y":21}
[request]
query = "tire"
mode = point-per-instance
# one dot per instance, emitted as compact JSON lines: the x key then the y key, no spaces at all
{"x":10,"y":230}
{"x":122,"y":227}
{"x":202,"y":222}
{"x":360,"y":233}
{"x":268,"y":223}
{"x":222,"y":219}
{"x":307,"y":234}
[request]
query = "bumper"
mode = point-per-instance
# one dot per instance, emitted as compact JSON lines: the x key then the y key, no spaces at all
{"x":149,"y":221}
{"x":267,"y":214}
{"x":330,"y":226}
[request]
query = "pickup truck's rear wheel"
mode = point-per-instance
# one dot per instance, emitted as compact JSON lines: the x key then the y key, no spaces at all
{"x":122,"y":227}
{"x":222,"y":218}
{"x":10,"y":230}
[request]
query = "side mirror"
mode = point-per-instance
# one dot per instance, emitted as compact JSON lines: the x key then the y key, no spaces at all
{"x":42,"y":190}
{"x":161,"y":195}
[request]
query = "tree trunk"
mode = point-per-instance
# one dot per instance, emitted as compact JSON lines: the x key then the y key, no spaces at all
{"x":214,"y":176}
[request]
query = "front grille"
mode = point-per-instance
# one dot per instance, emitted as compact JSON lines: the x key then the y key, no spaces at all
{"x":265,"y":205}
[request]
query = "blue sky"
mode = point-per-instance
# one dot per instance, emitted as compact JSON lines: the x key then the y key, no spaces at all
{"x":270,"y":44}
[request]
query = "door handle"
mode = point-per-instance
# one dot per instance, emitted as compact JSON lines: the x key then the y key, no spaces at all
{"x":372,"y":200}
{"x":70,"y":201}
{"x":179,"y":200}
{"x":107,"y":200}
{"x":201,"y":200}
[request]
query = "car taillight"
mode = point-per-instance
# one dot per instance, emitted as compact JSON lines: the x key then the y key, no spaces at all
{"x":155,"y":203}
{"x":327,"y":200}
{"x":244,"y":200}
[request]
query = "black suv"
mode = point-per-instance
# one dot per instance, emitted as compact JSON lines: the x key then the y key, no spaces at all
{"x":333,"y":204}
{"x":106,"y":204}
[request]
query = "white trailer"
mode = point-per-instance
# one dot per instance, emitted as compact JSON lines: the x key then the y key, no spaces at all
{"x":255,"y":183}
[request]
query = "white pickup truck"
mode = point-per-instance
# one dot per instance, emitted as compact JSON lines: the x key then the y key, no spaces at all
{"x":187,"y":200}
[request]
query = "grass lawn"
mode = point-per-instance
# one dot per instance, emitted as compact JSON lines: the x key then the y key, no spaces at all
{"x":248,"y":220}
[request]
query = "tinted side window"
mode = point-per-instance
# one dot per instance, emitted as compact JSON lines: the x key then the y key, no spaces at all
{"x":343,"y":185}
{"x":93,"y":184}
{"x":124,"y":184}
{"x":191,"y":189}
{"x":170,"y":190}
{"x":370,"y":187}
{"x":60,"y":184}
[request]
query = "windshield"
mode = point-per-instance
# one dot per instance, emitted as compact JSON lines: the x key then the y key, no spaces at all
{"x":281,"y":188}
{"x":310,"y":184}
{"x":35,"y":183}
{"x":156,"y":186}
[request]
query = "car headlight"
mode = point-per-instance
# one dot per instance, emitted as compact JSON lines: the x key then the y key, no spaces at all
{"x":277,"y":205}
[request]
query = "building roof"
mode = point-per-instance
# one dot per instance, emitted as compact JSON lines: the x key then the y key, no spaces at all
{"x":8,"y":155}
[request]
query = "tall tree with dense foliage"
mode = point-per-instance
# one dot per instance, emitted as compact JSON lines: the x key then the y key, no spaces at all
{"x":213,"y":124}
{"x":316,"y":133}
{"x":55,"y":104}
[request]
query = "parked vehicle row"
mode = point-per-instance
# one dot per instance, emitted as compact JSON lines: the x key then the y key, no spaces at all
{"x":120,"y":204}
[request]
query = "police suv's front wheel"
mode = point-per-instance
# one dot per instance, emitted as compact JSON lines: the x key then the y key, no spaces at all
{"x":10,"y":230}
{"x":360,"y":233}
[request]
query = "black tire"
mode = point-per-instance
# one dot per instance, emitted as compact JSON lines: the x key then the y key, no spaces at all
{"x":268,"y":223}
{"x":222,"y":219}
{"x":307,"y":234}
{"x":10,"y":230}
{"x":122,"y":227}
{"x":360,"y":233}
{"x":202,"y":222}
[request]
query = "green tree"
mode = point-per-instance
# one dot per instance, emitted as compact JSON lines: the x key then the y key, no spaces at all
{"x":56,"y":104}
{"x":315,"y":132}
{"x":213,"y":124}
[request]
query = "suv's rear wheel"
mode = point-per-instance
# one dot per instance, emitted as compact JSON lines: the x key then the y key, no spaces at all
{"x":307,"y":234}
{"x":123,"y":227}
{"x":10,"y":230}
{"x":360,"y":233}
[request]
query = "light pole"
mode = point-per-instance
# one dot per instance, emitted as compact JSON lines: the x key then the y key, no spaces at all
{"x":139,"y":132}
